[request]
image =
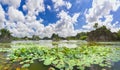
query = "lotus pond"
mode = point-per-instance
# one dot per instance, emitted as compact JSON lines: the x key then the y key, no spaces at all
{"x":64,"y":55}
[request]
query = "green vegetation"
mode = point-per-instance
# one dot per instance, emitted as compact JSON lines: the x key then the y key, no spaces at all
{"x":103,"y":34}
{"x":5,"y":35}
{"x":118,"y":35}
{"x":65,"y":58}
{"x":55,"y":37}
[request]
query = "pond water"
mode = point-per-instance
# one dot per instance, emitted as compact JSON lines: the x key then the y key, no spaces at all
{"x":48,"y":43}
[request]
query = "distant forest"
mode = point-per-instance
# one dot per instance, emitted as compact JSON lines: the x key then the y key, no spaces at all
{"x":99,"y":34}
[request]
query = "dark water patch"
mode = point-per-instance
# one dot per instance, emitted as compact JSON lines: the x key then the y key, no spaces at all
{"x":38,"y":66}
{"x":97,"y":67}
{"x":116,"y":66}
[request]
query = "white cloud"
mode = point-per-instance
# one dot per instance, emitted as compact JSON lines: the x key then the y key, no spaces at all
{"x":2,"y":16}
{"x":21,"y":25}
{"x":60,"y":3}
{"x":101,"y":8}
{"x":36,"y":26}
{"x":68,"y":5}
{"x":48,"y":7}
{"x":75,"y":17}
{"x":14,"y":3}
{"x":65,"y":26}
{"x":48,"y":31}
{"x":30,"y":18}
{"x":27,"y":25}
{"x":15,"y":15}
{"x":35,"y":6}
{"x":24,"y":7}
{"x":21,"y":29}
{"x":114,"y":28}
{"x":17,"y":30}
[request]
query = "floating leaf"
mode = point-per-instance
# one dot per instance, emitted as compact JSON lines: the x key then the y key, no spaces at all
{"x":26,"y":66}
{"x":47,"y":62}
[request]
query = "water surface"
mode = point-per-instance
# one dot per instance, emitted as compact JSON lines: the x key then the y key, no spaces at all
{"x":48,"y":43}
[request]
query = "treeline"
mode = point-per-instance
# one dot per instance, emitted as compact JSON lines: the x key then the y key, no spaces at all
{"x":99,"y":34}
{"x":103,"y":34}
{"x":79,"y":36}
{"x":5,"y":36}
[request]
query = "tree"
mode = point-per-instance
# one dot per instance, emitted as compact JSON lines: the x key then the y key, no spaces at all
{"x":34,"y":37}
{"x":95,"y":25}
{"x":55,"y":37}
{"x":101,"y":34}
{"x":80,"y":36}
{"x":25,"y":38}
{"x":5,"y":35}
{"x":118,"y":35}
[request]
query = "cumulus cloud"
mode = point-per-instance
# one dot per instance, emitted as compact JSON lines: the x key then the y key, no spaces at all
{"x":35,"y":26}
{"x":101,"y":8}
{"x":21,"y":29}
{"x":48,"y":31}
{"x":35,"y":6}
{"x":14,"y":3}
{"x":2,"y":16}
{"x":21,"y":25}
{"x":65,"y":26}
{"x":15,"y":15}
{"x":60,"y":3}
{"x":18,"y":29}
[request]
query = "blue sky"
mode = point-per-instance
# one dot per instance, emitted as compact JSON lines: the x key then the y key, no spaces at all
{"x":63,"y":17}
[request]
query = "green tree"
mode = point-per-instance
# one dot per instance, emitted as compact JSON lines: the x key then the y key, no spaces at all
{"x":118,"y":35}
{"x":4,"y":33}
{"x":25,"y":38}
{"x":55,"y":37}
{"x":34,"y":37}
{"x":81,"y":35}
{"x":95,"y":25}
{"x":101,"y":34}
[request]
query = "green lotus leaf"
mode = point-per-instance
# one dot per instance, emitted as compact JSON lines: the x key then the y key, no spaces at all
{"x":47,"y":61}
{"x":26,"y":66}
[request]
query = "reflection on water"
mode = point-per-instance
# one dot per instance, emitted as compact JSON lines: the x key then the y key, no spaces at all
{"x":5,"y":45}
{"x":116,"y":66}
{"x":49,"y":43}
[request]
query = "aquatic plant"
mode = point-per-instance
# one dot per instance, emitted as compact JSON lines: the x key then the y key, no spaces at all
{"x":66,"y":58}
